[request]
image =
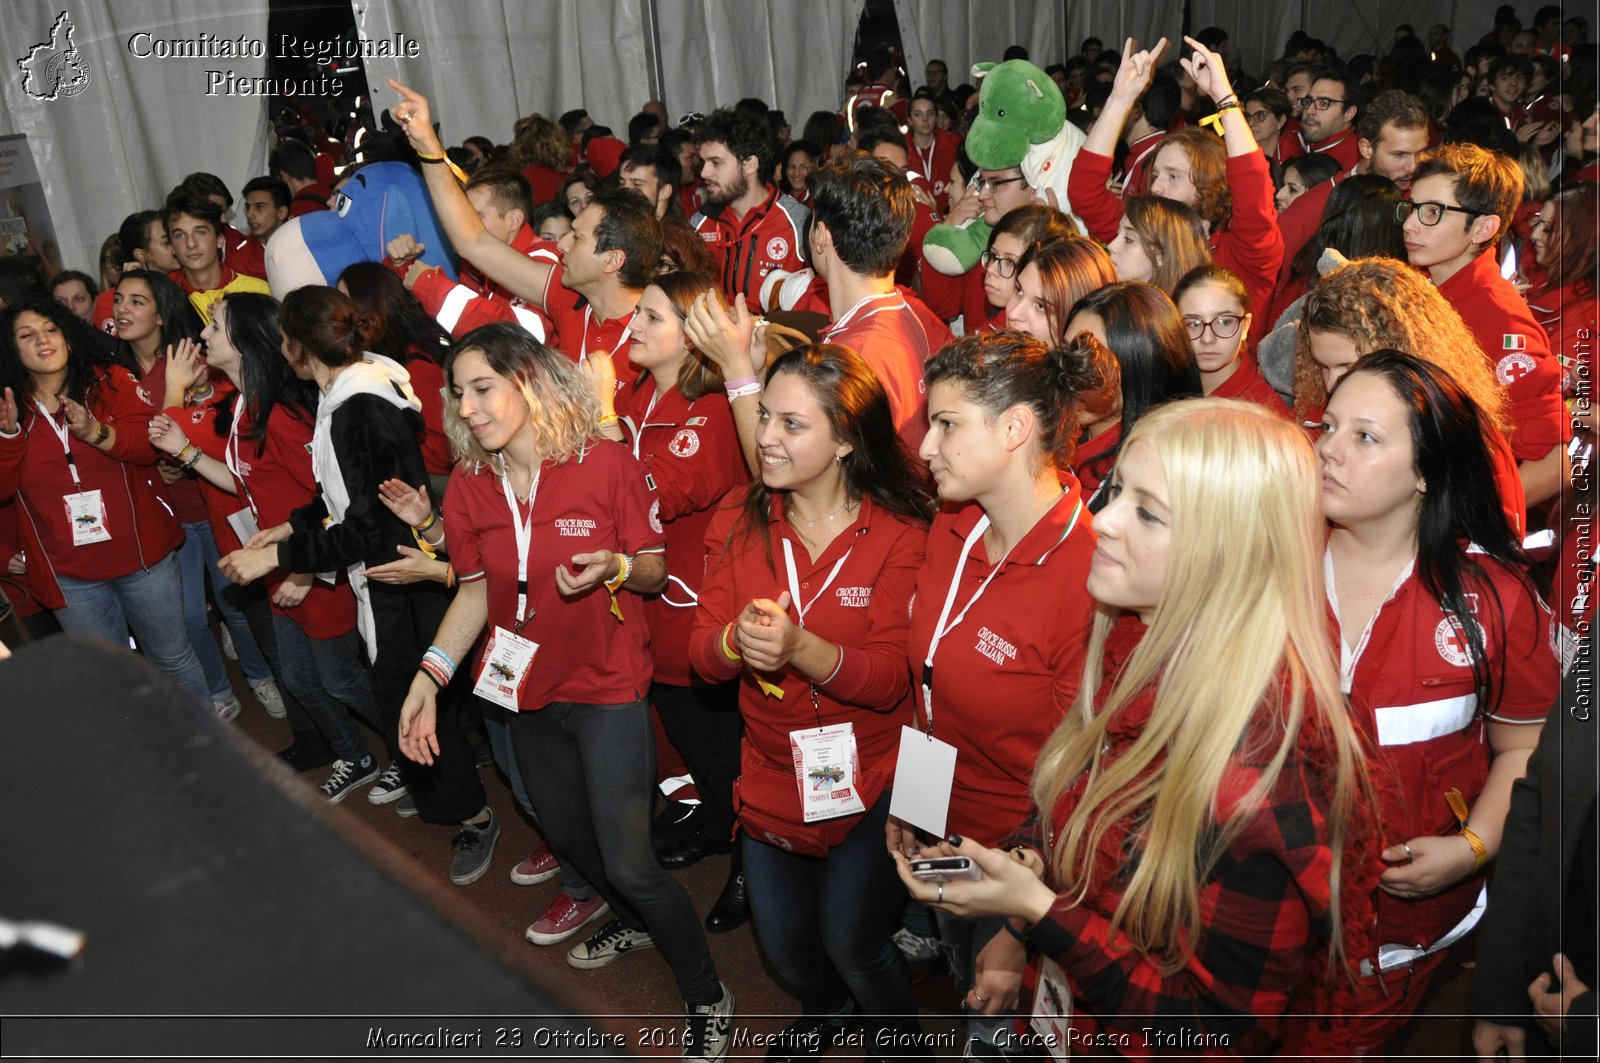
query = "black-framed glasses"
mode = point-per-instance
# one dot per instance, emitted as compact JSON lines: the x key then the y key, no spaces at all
{"x":1004,"y":268}
{"x":1320,"y":103}
{"x":1430,"y":213}
{"x":1257,"y":117}
{"x":1223,"y":326}
{"x":989,"y":184}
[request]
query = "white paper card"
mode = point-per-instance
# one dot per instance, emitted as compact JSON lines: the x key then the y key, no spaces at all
{"x":827,"y":772}
{"x":243,"y":524}
{"x":506,"y":660}
{"x":923,"y":777}
{"x":1052,"y":1009}
{"x":86,"y":513}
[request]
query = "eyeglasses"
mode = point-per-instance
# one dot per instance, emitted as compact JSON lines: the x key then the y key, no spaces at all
{"x":1005,"y":268}
{"x":1223,"y":326}
{"x":1320,"y":103}
{"x":989,"y":184}
{"x":1257,"y":117}
{"x":1429,"y":213}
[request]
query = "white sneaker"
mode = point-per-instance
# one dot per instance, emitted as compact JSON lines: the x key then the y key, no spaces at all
{"x":271,"y":700}
{"x":708,"y":1034}
{"x":227,"y":644}
{"x":227,"y":708}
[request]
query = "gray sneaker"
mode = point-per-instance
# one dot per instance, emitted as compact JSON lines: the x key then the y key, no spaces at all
{"x":474,"y":848}
{"x":608,"y":945}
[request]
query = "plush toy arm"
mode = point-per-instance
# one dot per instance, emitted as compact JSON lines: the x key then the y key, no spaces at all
{"x":953,"y":249}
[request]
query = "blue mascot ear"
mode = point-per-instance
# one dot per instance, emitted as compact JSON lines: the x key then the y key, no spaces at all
{"x":378,"y":203}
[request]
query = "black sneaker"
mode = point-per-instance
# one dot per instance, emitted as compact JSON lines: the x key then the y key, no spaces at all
{"x":808,"y":1037}
{"x":608,"y":945}
{"x":474,"y":849}
{"x":309,"y":750}
{"x":709,"y":1031}
{"x":346,"y":776}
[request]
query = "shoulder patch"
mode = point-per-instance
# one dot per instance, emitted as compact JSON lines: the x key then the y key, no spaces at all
{"x":685,"y":444}
{"x":695,"y":422}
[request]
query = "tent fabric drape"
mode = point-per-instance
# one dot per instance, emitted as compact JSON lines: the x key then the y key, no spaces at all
{"x":793,"y":55}
{"x":963,"y":34}
{"x":139,"y":125}
{"x":485,"y":63}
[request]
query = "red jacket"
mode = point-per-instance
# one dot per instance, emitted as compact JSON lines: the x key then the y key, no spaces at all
{"x":1248,"y":384}
{"x":863,"y":610}
{"x":1570,"y":316}
{"x":1520,"y":351}
{"x":935,"y":162}
{"x":1251,"y":246}
{"x":692,"y":460}
{"x":33,"y":468}
{"x":1412,"y":695}
{"x":892,"y":339}
{"x":771,"y":235}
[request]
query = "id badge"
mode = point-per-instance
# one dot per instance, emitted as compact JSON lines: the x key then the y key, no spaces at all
{"x":86,"y":513}
{"x":506,"y":661}
{"x":1052,"y":1009}
{"x":243,"y":524}
{"x":924,"y":775}
{"x":827,"y":772}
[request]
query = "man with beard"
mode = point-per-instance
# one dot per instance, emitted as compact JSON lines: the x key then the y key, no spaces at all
{"x":750,"y":226}
{"x":1328,"y":116}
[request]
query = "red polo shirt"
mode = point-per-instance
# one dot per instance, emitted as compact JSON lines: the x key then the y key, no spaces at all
{"x":935,"y":162}
{"x":1090,"y":462}
{"x":1520,"y":351}
{"x":1569,"y":316}
{"x":1411,"y":693}
{"x":243,"y":252}
{"x":1006,"y":674}
{"x":771,"y":235}
{"x":578,"y":332}
{"x":863,"y":611}
{"x":184,"y":494}
{"x":596,"y":502}
{"x":692,"y":460}
{"x":889,"y":336}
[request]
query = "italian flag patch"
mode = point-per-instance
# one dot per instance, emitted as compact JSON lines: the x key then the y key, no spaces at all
{"x":1513,"y":341}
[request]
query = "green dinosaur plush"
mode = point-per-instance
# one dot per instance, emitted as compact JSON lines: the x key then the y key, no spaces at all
{"x":1022,"y":121}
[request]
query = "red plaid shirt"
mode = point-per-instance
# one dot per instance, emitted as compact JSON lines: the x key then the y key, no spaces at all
{"x":1265,"y":909}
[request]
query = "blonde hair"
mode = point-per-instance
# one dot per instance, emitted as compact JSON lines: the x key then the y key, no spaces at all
{"x":1242,"y":608}
{"x":561,"y":406}
{"x":1383,"y":303}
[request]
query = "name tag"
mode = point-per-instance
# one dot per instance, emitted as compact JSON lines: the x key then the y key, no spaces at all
{"x":506,"y":662}
{"x":924,"y":775}
{"x":243,"y":524}
{"x":86,"y":514}
{"x":827,"y":772}
{"x":1052,"y":1008}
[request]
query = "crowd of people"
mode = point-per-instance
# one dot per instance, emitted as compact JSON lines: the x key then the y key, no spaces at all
{"x":1262,"y":448}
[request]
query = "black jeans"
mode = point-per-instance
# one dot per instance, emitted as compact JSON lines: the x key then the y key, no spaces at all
{"x":590,"y":771}
{"x":704,"y":725}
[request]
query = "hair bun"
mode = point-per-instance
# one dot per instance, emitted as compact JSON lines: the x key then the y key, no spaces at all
{"x":1077,"y":367}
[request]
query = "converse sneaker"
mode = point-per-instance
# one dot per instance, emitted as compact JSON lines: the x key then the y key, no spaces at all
{"x":564,"y":918}
{"x":227,"y":708}
{"x":608,"y":945}
{"x":540,"y":866}
{"x":707,"y":1036}
{"x":389,"y":787}
{"x":271,"y":700}
{"x":406,"y":807}
{"x":474,"y":848}
{"x":346,"y":776}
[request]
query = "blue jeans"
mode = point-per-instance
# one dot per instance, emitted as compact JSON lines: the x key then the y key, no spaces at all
{"x":327,"y":678}
{"x":826,"y":924}
{"x":591,"y":771}
{"x":198,"y":557}
{"x":499,"y":734}
{"x":150,"y":601}
{"x":988,"y":1036}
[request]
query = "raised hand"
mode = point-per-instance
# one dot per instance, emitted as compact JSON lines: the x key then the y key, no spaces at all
{"x":165,"y":435}
{"x":1205,"y":66}
{"x":1137,"y":70}
{"x":10,"y":421}
{"x":415,"y":117}
{"x":720,"y":337}
{"x":186,"y":364}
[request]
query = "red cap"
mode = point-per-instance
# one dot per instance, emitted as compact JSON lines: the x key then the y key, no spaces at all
{"x":604,"y":154}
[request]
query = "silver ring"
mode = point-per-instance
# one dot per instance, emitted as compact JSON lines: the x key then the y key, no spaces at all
{"x":980,"y":1000}
{"x":940,"y":898}
{"x":1407,"y":847}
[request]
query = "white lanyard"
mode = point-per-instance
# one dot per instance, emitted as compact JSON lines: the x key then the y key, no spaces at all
{"x":64,"y":434}
{"x":794,"y":581}
{"x":588,"y":312}
{"x":943,"y":628}
{"x":849,"y":315}
{"x":524,"y":534}
{"x":230,"y":457}
{"x":927,"y":159}
{"x":644,"y":422}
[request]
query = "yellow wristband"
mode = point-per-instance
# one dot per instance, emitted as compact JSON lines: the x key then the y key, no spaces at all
{"x":727,"y":645}
{"x":1480,"y":851}
{"x":430,"y":158}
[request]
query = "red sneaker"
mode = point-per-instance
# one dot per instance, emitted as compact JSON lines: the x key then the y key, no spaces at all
{"x":540,"y":866}
{"x":564,"y":918}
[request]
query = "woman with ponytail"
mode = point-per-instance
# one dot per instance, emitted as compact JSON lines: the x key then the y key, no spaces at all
{"x":368,"y":421}
{"x":1000,"y":662}
{"x":1209,"y":848}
